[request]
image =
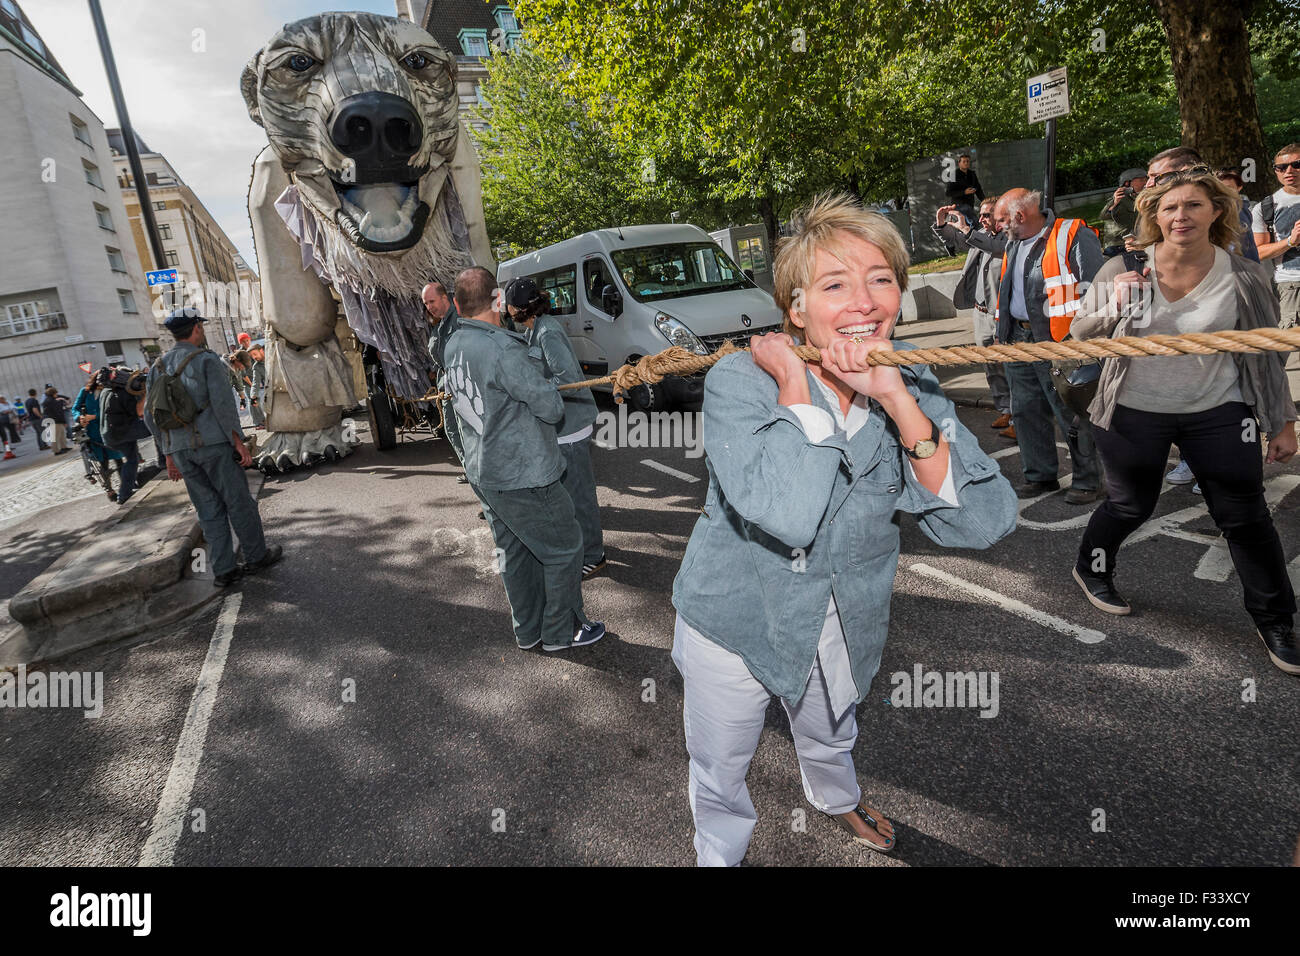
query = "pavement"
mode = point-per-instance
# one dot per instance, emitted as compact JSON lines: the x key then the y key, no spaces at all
{"x":363,"y":702}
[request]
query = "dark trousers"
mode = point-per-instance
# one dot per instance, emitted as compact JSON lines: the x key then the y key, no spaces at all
{"x":130,"y":468}
{"x":539,"y":554}
{"x":36,"y":427}
{"x":1221,"y":448}
{"x":7,"y":424}
{"x":1036,"y":410}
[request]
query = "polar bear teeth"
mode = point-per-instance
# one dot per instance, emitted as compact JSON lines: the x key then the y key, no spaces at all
{"x":383,"y":212}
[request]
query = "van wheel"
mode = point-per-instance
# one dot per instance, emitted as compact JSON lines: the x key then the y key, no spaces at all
{"x":647,"y":398}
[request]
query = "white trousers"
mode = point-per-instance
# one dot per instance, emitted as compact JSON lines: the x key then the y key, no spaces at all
{"x":723,"y":716}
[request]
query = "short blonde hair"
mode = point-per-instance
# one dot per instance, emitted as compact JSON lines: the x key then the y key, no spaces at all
{"x":815,"y":227}
{"x":1224,"y":231}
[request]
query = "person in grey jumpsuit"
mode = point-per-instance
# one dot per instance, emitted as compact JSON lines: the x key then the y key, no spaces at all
{"x":527,"y":306}
{"x":508,"y":410}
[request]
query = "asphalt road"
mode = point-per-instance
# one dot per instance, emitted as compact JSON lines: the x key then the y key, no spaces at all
{"x":460,"y":748}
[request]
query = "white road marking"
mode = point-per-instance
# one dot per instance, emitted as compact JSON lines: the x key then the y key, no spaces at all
{"x":173,"y":807}
{"x":668,"y":471}
{"x":1082,"y":634}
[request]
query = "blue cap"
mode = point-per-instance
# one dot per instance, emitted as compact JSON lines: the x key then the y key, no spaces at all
{"x":182,"y":320}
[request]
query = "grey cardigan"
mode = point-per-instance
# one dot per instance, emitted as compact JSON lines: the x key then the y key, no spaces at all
{"x":1263,"y":382}
{"x":788,"y":521}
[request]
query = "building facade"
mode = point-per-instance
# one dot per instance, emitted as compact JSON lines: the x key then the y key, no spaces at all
{"x":72,"y":289}
{"x":192,"y":242}
{"x":469,"y":30}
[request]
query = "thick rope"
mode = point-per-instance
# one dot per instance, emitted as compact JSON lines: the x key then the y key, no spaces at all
{"x":679,"y":361}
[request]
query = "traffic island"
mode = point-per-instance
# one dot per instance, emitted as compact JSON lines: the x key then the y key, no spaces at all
{"x":130,"y":576}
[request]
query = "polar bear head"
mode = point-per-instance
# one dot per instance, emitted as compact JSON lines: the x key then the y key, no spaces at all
{"x":361,"y":110}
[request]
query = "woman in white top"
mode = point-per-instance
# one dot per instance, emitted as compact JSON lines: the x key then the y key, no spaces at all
{"x":1215,"y":407}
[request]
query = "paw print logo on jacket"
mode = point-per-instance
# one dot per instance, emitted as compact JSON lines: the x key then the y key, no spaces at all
{"x":468,"y":400}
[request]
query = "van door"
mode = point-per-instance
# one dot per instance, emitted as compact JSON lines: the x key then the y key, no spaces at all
{"x":592,"y":325}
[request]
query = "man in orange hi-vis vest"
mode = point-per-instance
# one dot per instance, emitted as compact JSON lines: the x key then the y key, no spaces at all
{"x":1046,"y":268}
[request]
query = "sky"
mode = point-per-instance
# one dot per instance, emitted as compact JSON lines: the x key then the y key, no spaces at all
{"x":184,"y":101}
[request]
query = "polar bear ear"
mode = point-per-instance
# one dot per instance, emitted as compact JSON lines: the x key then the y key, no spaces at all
{"x":248,"y":86}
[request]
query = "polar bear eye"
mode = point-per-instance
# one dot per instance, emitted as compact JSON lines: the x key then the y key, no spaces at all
{"x":300,"y":63}
{"x":416,"y":61}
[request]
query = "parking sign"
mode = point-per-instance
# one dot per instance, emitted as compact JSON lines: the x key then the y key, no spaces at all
{"x":1048,"y":96}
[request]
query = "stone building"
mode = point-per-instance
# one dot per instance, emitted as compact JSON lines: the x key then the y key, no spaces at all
{"x":192,"y":242}
{"x":72,"y":287}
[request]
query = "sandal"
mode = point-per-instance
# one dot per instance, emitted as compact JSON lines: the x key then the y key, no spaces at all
{"x":870,"y":821}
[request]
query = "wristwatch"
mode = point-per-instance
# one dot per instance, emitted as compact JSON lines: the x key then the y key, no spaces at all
{"x":925,"y":448}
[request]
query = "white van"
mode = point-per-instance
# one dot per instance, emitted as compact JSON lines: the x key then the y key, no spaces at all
{"x":631,"y":291}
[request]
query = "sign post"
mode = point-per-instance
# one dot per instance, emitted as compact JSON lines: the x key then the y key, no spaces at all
{"x":1048,"y":96}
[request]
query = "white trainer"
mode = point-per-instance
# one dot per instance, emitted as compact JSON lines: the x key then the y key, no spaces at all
{"x":1180,"y":475}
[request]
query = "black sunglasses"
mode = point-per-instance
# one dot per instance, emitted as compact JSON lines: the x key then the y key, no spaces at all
{"x":1294,"y":164}
{"x":1191,"y":170}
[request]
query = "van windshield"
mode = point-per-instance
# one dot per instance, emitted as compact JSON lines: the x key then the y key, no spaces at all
{"x":678,"y":269}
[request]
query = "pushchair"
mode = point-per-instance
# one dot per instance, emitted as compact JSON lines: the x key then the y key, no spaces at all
{"x":95,"y":458}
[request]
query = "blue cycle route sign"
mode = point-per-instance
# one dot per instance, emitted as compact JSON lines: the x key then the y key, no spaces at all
{"x":162,"y":277}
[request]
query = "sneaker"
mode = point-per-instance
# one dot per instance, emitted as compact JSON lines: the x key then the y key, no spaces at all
{"x":1100,"y":590}
{"x":1282,"y":647}
{"x":1196,"y":489}
{"x":273,"y":554}
{"x":589,"y":569}
{"x":528,"y":647}
{"x":462,"y":479}
{"x":587,"y":634}
{"x":1180,"y":475}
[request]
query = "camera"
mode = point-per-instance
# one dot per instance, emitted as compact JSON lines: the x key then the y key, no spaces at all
{"x":1130,"y":192}
{"x":956,"y":219}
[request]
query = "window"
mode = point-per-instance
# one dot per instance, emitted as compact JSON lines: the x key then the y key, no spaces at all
{"x":125,"y":181}
{"x":92,"y":174}
{"x":165,"y":230}
{"x":113,"y":349}
{"x":678,"y":269}
{"x":474,"y":42}
{"x":80,"y":130}
{"x":562,"y":286}
{"x":595,"y":276}
{"x":160,"y":206}
{"x":172,"y":258}
{"x":127,"y":301}
{"x":104,"y":216}
{"x":750,"y":254}
{"x":34,"y":315}
{"x":115,"y":259}
{"x":505,"y":18}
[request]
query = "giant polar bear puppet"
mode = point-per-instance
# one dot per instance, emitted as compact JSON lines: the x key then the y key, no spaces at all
{"x":370,"y":187}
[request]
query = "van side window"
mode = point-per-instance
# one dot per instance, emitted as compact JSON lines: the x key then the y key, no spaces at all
{"x":595,"y":276}
{"x":562,"y":286}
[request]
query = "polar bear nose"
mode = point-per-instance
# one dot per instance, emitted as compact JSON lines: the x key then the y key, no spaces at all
{"x":380,"y":132}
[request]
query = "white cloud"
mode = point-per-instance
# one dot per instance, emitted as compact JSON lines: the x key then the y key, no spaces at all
{"x":181,"y":86}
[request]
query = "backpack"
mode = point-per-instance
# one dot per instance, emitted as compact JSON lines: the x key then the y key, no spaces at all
{"x":169,"y":402}
{"x":1268,"y":212}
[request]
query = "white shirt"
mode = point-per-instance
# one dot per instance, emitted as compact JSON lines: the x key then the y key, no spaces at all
{"x":1018,"y":308}
{"x":1286,"y":210}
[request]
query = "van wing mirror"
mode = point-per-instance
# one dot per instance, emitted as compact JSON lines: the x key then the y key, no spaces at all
{"x":611,"y":300}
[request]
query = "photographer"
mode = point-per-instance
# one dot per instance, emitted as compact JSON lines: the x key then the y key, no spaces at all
{"x":1119,"y":215}
{"x":978,"y":290}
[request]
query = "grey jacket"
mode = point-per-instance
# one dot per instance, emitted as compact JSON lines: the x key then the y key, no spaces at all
{"x":1263,"y":382}
{"x":978,"y":285}
{"x":787,"y":522}
{"x":442,"y":333}
{"x":506,"y":408}
{"x":207,"y":379}
{"x":1085,"y":260}
{"x":561,"y":366}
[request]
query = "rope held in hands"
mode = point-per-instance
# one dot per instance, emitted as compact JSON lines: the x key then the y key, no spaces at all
{"x":679,"y":361}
